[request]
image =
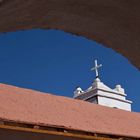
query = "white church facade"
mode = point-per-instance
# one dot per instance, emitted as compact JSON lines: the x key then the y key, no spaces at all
{"x":101,"y":94}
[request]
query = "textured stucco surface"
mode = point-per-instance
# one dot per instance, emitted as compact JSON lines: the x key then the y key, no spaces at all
{"x":114,"y":23}
{"x":32,"y":107}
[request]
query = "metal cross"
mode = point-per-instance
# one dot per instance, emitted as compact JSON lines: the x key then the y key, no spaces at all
{"x":96,"y":68}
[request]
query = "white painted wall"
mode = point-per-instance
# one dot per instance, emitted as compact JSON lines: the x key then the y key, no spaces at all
{"x":109,"y":94}
{"x":114,"y":103}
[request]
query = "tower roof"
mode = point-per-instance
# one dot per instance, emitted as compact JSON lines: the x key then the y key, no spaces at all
{"x":98,"y":84}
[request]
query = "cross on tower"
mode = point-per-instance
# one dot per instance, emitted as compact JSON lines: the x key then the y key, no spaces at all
{"x":96,"y":68}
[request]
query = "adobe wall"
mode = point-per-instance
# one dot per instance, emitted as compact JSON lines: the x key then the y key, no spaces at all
{"x":114,"y":23}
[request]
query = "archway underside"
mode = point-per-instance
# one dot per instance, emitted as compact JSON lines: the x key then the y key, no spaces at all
{"x":114,"y":23}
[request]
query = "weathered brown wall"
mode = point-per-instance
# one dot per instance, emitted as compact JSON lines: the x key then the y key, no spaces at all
{"x":114,"y":23}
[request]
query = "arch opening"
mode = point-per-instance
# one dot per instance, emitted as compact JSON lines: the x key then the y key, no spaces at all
{"x":56,"y":62}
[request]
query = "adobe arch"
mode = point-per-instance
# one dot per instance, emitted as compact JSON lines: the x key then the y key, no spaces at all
{"x":114,"y":23}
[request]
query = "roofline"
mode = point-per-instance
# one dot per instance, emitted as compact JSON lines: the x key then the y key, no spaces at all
{"x":113,"y":91}
{"x":56,"y":130}
{"x":98,"y":94}
{"x":99,"y":89}
{"x":36,"y":129}
{"x":110,"y":91}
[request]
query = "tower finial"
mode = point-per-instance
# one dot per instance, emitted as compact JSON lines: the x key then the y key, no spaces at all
{"x":96,"y":68}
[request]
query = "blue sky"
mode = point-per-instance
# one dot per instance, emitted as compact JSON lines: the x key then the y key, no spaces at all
{"x":56,"y":62}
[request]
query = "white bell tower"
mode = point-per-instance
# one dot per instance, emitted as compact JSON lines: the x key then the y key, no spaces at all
{"x":101,"y":94}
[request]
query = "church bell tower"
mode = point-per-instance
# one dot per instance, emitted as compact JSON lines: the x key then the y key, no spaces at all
{"x":101,"y":94}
